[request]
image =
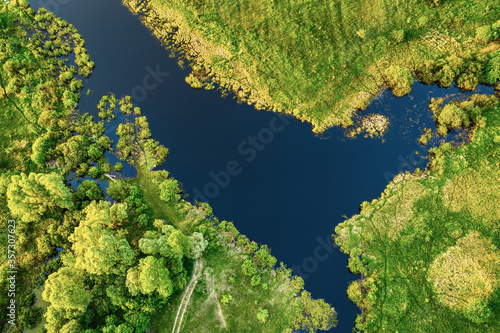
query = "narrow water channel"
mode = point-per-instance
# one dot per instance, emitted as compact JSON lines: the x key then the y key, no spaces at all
{"x":281,"y":184}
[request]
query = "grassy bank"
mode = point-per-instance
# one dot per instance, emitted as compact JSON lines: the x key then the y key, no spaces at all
{"x":316,"y":60}
{"x":427,"y":248}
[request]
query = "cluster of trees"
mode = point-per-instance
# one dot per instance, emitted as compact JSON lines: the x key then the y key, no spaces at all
{"x":135,"y":144}
{"x":488,"y":33}
{"x":107,"y":284}
{"x":399,"y":79}
{"x":312,"y":314}
{"x":461,"y":113}
{"x":467,"y":68}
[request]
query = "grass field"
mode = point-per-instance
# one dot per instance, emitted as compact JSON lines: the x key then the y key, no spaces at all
{"x":427,"y":247}
{"x":317,"y":60}
{"x":206,"y":312}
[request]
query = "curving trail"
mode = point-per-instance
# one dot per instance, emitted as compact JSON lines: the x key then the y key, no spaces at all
{"x":198,"y":265}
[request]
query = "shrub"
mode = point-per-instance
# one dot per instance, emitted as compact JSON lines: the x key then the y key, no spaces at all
{"x":262,"y":315}
{"x":398,"y":36}
{"x":226,"y":299}
{"x":118,"y":167}
{"x":422,"y":21}
{"x":194,"y":82}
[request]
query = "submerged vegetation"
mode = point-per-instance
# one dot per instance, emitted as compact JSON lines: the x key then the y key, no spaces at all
{"x":319,"y":60}
{"x":109,"y":251}
{"x":427,"y":248}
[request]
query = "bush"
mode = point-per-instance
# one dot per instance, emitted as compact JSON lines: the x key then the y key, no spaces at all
{"x":194,"y":82}
{"x":249,"y":268}
{"x":484,"y":34}
{"x":422,"y":21}
{"x":118,"y":167}
{"x":399,"y":79}
{"x":262,"y":315}
{"x":398,"y":36}
{"x":226,"y":299}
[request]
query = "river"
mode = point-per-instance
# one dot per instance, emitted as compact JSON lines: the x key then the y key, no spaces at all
{"x":281,"y":184}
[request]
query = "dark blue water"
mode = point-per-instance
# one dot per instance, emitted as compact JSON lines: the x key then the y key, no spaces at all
{"x":281,"y":184}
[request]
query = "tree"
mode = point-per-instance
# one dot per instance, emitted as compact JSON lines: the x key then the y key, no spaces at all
{"x":179,"y":243}
{"x":65,"y":290}
{"x":109,"y":255}
{"x":198,"y":245}
{"x":264,"y":258}
{"x":262,"y":315}
{"x":249,"y":268}
{"x":29,"y":197}
{"x":493,"y":68}
{"x":73,"y":152}
{"x":484,"y":34}
{"x":399,"y":79}
{"x":40,"y":148}
{"x":97,"y":248}
{"x":169,"y":190}
{"x":149,"y":276}
{"x":316,"y":314}
{"x":88,"y":189}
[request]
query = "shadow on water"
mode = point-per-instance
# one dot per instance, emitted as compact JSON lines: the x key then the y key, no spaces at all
{"x":281,"y":185}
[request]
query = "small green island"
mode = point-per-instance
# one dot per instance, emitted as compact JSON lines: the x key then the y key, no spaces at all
{"x":94,"y":246}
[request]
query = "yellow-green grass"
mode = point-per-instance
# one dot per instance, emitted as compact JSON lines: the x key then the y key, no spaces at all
{"x":222,"y":275}
{"x":318,"y":60}
{"x":405,"y":243}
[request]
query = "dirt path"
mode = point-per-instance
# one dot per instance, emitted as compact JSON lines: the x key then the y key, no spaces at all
{"x":198,"y":265}
{"x":213,"y":296}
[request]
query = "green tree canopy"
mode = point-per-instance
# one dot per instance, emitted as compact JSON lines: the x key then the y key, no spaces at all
{"x":65,"y":289}
{"x":399,"y":79}
{"x":149,"y":276}
{"x":31,"y":196}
